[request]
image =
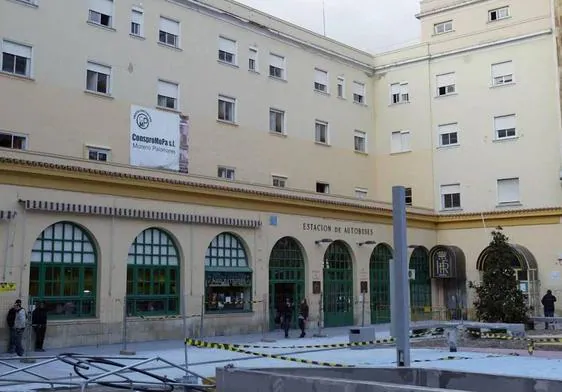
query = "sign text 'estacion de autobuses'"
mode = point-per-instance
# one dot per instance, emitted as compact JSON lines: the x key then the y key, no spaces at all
{"x":325,"y":228}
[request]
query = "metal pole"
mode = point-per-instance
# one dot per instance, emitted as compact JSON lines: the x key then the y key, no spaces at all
{"x":319,"y":334}
{"x":185,"y":334}
{"x":265,"y":321}
{"x":28,"y":323}
{"x":202,"y":316}
{"x":124,"y":350}
{"x":392,"y":298}
{"x":402,"y":287}
{"x":362,"y":310}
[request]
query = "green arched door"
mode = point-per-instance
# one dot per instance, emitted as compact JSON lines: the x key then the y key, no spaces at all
{"x":420,"y":287}
{"x":379,"y":274}
{"x":286,"y":276}
{"x":338,"y":286}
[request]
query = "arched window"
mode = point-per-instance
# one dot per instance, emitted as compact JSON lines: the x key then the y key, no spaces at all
{"x":64,"y":270}
{"x":228,"y":278}
{"x":153,"y":274}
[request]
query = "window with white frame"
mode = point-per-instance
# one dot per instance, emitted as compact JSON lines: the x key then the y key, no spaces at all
{"x":358,"y":92}
{"x":101,"y":12}
{"x":13,"y":141}
{"x":227,"y":109}
{"x":502,"y":73}
{"x":450,"y":196}
{"x":361,"y":193}
{"x":341,"y":87}
{"x":505,"y":126}
{"x":321,"y":132}
{"x":168,"y":95}
{"x":227,"y":50}
{"x":446,"y":84}
{"x":98,"y":78}
{"x":253,"y":59}
{"x":137,"y":22}
{"x":276,"y":66}
{"x":98,"y":154}
{"x":400,"y":141}
{"x":443,"y":27}
{"x":320,"y":80}
{"x":169,"y":32}
{"x":448,"y":134}
{"x":498,"y":14}
{"x":508,"y":190}
{"x":228,"y":173}
{"x":360,"y":141}
{"x":408,"y":196}
{"x":16,"y":58}
{"x":276,"y":121}
{"x":399,"y":93}
{"x":279,"y":181}
{"x":322,"y":187}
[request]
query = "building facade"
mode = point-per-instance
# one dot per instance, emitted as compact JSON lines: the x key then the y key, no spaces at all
{"x":202,"y":158}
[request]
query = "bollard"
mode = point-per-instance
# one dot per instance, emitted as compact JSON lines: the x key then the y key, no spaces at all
{"x":265,"y":321}
{"x":452,"y":337}
{"x":28,"y":345}
{"x":319,"y":334}
{"x":202,"y":316}
{"x":124,"y":350}
{"x":362,"y":310}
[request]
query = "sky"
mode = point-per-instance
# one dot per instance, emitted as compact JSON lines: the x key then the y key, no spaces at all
{"x":371,"y":25}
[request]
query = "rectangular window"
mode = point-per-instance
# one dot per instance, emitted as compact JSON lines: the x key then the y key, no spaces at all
{"x":361,"y":193}
{"x":227,"y":109}
{"x":322,"y":187}
{"x":320,"y":80}
{"x":360,"y":141}
{"x":400,"y":141}
{"x":450,"y":196}
{"x":228,"y":173}
{"x":408,"y":196}
{"x":98,"y":154}
{"x":253,"y":60}
{"x":505,"y":126}
{"x":137,"y":22}
{"x":508,"y":190}
{"x":446,"y":84}
{"x":101,"y":12}
{"x":502,"y":73}
{"x":168,"y":95}
{"x":498,"y":14}
{"x":443,"y":27}
{"x":341,"y":87}
{"x":98,"y":78}
{"x":276,"y":121}
{"x":276,"y":66}
{"x":227,"y":50}
{"x":13,"y":141}
{"x":279,"y":181}
{"x":321,"y":132}
{"x":448,"y":134}
{"x":399,"y":93}
{"x":16,"y":58}
{"x":358,"y":92}
{"x":169,"y":33}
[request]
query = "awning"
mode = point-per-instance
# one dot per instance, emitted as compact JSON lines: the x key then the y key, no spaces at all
{"x":523,"y":257}
{"x":447,"y":262}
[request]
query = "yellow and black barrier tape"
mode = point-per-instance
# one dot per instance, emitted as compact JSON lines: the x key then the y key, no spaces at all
{"x":453,"y":358}
{"x":229,"y":347}
{"x":509,"y":337}
{"x":201,"y":343}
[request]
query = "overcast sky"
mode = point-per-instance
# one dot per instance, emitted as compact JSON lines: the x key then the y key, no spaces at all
{"x":371,"y":25}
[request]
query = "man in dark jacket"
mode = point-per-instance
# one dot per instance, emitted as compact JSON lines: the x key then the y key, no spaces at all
{"x":39,"y":322}
{"x":303,"y":316}
{"x":287,"y":315}
{"x":548,"y":303}
{"x":10,"y":321}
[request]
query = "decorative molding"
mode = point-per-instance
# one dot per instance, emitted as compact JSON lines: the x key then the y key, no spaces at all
{"x":7,"y":215}
{"x":133,"y":213}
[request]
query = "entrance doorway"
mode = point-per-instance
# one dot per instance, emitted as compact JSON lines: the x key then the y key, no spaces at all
{"x":379,"y":271}
{"x":286,"y":278}
{"x":338,"y":286}
{"x":420,"y":286}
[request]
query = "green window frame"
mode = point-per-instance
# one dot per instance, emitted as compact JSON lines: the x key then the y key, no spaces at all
{"x":63,"y":271}
{"x":228,"y":277}
{"x":153,"y":275}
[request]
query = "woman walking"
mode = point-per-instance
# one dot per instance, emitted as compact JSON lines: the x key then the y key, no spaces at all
{"x":303,"y":317}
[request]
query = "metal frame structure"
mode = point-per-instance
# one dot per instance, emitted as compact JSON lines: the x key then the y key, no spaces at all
{"x":105,"y":371}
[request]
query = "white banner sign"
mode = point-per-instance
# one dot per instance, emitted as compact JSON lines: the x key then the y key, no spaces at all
{"x":155,"y":138}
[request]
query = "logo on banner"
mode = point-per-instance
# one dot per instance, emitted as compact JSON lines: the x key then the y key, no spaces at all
{"x":142,"y":118}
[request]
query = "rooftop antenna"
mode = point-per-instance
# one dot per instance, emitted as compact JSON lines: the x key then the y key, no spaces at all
{"x":324,"y":16}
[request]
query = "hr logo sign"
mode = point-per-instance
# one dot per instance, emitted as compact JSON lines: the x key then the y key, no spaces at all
{"x":442,"y":264}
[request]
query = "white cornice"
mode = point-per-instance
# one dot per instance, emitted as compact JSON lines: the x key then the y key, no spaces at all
{"x":460,"y":4}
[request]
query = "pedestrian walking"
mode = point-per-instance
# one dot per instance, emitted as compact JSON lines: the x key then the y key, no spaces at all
{"x":303,"y":316}
{"x":548,"y":305}
{"x":39,"y":323}
{"x":16,"y":322}
{"x":287,"y":315}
